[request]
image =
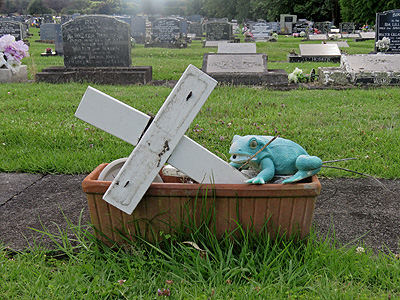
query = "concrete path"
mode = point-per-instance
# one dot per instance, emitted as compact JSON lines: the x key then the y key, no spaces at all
{"x":354,"y":207}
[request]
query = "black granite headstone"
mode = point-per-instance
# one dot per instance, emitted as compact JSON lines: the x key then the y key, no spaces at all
{"x":58,"y":42}
{"x":96,"y":41}
{"x":138,"y":27}
{"x":166,"y":29}
{"x":218,"y":31}
{"x":196,"y":28}
{"x":12,"y":28}
{"x":47,"y":18}
{"x":388,"y":25}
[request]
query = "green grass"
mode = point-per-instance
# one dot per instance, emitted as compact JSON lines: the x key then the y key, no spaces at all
{"x":245,"y":267}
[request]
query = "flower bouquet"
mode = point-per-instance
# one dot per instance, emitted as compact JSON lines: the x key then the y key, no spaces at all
{"x":383,"y":44}
{"x":12,"y":52}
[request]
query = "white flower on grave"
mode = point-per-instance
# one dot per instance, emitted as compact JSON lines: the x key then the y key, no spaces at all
{"x":383,"y":44}
{"x":13,"y":64}
{"x":302,"y":33}
{"x":2,"y":59}
{"x":294,"y":76}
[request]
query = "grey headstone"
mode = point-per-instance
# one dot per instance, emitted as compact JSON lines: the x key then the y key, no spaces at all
{"x":47,"y":18}
{"x":196,"y":28}
{"x":58,"y":42}
{"x":236,"y":63}
{"x":388,"y":25}
{"x":347,"y":27}
{"x":166,"y":29}
{"x":12,"y":28}
{"x":237,"y":48}
{"x":319,"y":50}
{"x":48,"y":31}
{"x":208,"y":44}
{"x":96,"y":41}
{"x":138,"y":27}
{"x":126,"y":19}
{"x":218,"y":31}
{"x":260,"y":30}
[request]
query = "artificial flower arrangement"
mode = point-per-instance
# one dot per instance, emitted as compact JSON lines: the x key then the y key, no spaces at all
{"x":12,"y":52}
{"x":383,"y":44}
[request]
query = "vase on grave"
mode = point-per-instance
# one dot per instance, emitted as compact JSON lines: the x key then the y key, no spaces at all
{"x":7,"y":76}
{"x":280,"y":209}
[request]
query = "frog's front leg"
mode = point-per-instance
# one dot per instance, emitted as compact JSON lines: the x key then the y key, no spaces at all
{"x":267,"y":172}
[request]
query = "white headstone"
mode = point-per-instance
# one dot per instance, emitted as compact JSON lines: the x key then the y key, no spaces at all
{"x":321,"y":50}
{"x":237,"y":48}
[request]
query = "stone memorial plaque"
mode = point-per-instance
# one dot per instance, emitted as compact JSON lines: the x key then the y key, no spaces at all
{"x":370,"y":35}
{"x":237,"y":48}
{"x":166,"y":29}
{"x":319,"y":50}
{"x":350,"y":35}
{"x":209,"y":44}
{"x":371,"y":63}
{"x":340,"y":43}
{"x":260,"y":30}
{"x":12,"y":28}
{"x":317,"y":37}
{"x":235,"y":63}
{"x":388,"y":25}
{"x":218,"y":31}
{"x":48,"y":31}
{"x":96,"y":41}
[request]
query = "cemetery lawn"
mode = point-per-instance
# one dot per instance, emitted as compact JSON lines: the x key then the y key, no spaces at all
{"x":39,"y":134}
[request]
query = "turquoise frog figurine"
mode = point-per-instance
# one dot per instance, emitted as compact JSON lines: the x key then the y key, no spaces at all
{"x":281,"y":157}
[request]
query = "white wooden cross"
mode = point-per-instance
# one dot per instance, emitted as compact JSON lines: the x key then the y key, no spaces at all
{"x":163,"y":141}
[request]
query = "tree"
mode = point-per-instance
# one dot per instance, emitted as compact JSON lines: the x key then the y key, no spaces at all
{"x":57,"y":5}
{"x":37,"y":7}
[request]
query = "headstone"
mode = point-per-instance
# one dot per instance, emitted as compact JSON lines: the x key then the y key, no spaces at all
{"x":166,"y":30}
{"x":196,"y":28}
{"x":363,"y":69}
{"x":350,"y":35}
{"x":12,"y":28}
{"x":48,"y":31}
{"x":47,"y":18}
{"x":286,"y":22}
{"x":183,"y":25}
{"x":237,"y":48}
{"x":65,"y":18}
{"x":218,"y":31}
{"x":343,"y":44}
{"x":369,"y":35}
{"x":347,"y":27}
{"x":317,"y":53}
{"x":260,"y":30}
{"x":210,"y":44}
{"x":388,"y":25}
{"x":58,"y":41}
{"x":247,"y":69}
{"x":274,"y":26}
{"x":96,"y":41}
{"x":323,"y":27}
{"x":126,"y":19}
{"x":319,"y":50}
{"x":195,"y":18}
{"x":138,"y":28}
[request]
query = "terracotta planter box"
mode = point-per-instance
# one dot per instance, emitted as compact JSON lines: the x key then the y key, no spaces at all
{"x":287,"y":209}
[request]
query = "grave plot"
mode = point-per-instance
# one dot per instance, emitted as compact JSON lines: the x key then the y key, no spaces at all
{"x":237,"y":48}
{"x":316,"y":52}
{"x":242,"y":68}
{"x":366,"y":69}
{"x":96,"y":49}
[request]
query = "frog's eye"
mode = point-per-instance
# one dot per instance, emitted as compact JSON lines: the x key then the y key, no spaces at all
{"x":253,"y":144}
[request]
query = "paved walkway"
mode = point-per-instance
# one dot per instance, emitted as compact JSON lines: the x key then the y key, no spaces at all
{"x":355,"y":207}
